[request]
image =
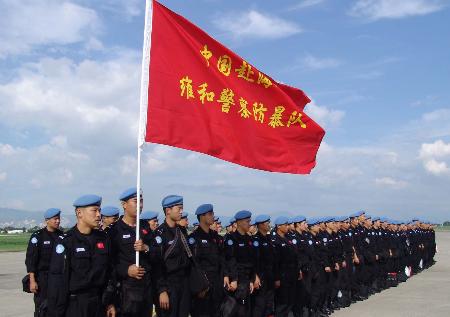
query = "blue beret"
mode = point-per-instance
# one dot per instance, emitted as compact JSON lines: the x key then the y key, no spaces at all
{"x":357,"y":214}
{"x":216,"y":218}
{"x":262,"y":219}
{"x":232,"y":220}
{"x":281,"y":220}
{"x":298,"y":218}
{"x":184,"y":214}
{"x":195,"y":224}
{"x":109,"y":211}
{"x":172,"y":200}
{"x":312,"y":221}
{"x":88,"y":200}
{"x":383,"y":219}
{"x":219,"y":220}
{"x":375,"y":218}
{"x":252,"y":223}
{"x":128,"y":193}
{"x":329,"y":219}
{"x":203,"y":209}
{"x":148,"y":215}
{"x":243,"y":214}
{"x":52,"y":212}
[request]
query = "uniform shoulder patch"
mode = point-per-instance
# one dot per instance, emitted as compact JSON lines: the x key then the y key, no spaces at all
{"x":60,"y":248}
{"x":158,"y":239}
{"x":191,"y":240}
{"x":230,"y":242}
{"x":310,"y":242}
{"x":325,"y":239}
{"x":34,"y":240}
{"x":255,"y":243}
{"x":294,"y":241}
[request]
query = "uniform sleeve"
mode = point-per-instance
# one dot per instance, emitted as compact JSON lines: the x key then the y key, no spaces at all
{"x":159,"y":266}
{"x":110,"y":290}
{"x":277,"y":261}
{"x":58,"y":280}
{"x":120,"y":269}
{"x":32,"y":255}
{"x":230,"y":268}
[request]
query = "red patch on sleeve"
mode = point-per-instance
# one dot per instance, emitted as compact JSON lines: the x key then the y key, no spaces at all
{"x":100,"y":245}
{"x":144,"y":231}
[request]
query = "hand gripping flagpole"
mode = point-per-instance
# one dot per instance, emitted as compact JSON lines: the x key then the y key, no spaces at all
{"x":143,"y":105}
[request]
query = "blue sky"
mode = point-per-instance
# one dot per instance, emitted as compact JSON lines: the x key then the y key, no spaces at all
{"x":377,"y":71}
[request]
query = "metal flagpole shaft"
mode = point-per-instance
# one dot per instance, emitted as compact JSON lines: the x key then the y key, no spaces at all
{"x":143,"y":106}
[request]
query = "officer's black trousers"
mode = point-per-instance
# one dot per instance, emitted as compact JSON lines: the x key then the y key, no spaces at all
{"x":85,"y":305}
{"x":285,"y":298}
{"x":209,"y":305}
{"x":263,"y":302}
{"x":136,"y":298}
{"x":40,"y":299}
{"x":179,"y":298}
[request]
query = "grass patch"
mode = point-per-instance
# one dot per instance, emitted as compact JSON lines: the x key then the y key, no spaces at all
{"x":443,"y":228}
{"x":14,"y":242}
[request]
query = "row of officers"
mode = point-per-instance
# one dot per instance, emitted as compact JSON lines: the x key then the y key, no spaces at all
{"x":304,"y":267}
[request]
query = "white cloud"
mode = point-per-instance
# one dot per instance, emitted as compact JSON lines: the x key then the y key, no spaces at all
{"x":3,"y":176}
{"x":313,"y":62}
{"x":324,"y":116}
{"x":390,"y":183}
{"x":434,"y":156}
{"x":392,"y":9}
{"x":437,"y":115}
{"x":6,"y":150}
{"x":436,"y":168}
{"x":253,"y":24}
{"x":438,"y":149}
{"x":28,"y":24}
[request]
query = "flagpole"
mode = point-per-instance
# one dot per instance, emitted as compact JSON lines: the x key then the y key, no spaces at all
{"x":143,"y":105}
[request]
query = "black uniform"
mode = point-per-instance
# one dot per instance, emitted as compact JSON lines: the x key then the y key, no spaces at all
{"x":263,"y":299}
{"x":240,"y":266}
{"x":288,"y":269}
{"x":172,"y":273}
{"x":207,"y":249}
{"x":135,"y":295}
{"x":37,"y":261}
{"x":79,"y":274}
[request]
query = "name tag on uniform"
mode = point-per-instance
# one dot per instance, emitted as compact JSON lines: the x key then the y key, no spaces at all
{"x":170,"y":242}
{"x":204,"y":241}
{"x":126,"y":236}
{"x":46,"y":242}
{"x":80,"y":250}
{"x":241,"y":244}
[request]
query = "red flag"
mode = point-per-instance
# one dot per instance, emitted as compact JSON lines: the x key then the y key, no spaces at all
{"x":205,"y":98}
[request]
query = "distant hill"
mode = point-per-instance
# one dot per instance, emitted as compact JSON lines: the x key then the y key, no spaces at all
{"x":28,"y":219}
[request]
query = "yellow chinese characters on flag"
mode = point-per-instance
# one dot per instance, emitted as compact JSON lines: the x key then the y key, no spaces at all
{"x":205,"y":98}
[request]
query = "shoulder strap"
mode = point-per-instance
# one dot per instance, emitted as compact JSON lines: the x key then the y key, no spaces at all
{"x":186,"y":247}
{"x":172,"y":246}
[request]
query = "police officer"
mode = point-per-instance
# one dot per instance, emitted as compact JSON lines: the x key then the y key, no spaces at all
{"x":80,"y":269}
{"x":184,"y":222}
{"x":240,"y":278}
{"x":263,"y":298}
{"x":135,"y":281}
{"x":38,"y":258}
{"x":173,"y":271}
{"x":207,"y":249}
{"x":287,"y":267}
{"x":152,"y":218}
{"x":110,"y":214}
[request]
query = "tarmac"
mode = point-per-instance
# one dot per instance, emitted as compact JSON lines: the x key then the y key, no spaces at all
{"x":425,"y":294}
